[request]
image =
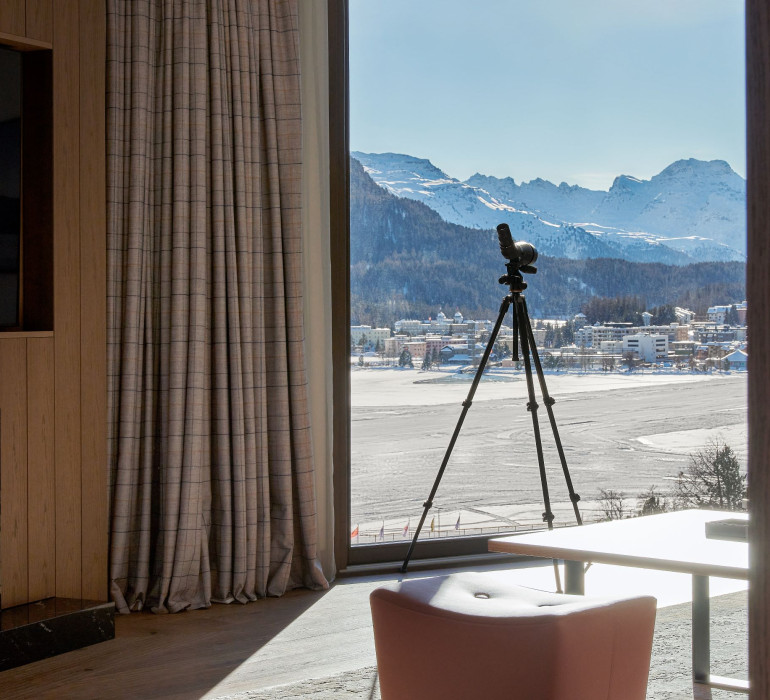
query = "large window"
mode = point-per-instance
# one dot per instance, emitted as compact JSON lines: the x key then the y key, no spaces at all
{"x":612,"y":138}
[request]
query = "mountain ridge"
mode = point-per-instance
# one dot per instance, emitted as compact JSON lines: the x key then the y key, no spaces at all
{"x":664,"y":219}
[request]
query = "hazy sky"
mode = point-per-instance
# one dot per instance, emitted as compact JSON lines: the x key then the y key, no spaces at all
{"x":568,"y":90}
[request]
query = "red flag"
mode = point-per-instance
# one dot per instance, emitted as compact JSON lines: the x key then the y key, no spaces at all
{"x":355,"y":532}
{"x":406,"y":528}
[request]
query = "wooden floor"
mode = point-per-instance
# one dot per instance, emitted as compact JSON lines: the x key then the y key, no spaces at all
{"x":229,"y":649}
{"x":207,"y":653}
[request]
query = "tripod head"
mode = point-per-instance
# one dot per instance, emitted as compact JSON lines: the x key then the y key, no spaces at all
{"x":520,"y":256}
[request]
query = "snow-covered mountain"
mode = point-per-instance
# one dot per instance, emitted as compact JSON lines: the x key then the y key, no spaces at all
{"x":692,"y":211}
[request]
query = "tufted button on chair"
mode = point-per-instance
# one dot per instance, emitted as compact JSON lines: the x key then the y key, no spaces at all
{"x":477,"y":636}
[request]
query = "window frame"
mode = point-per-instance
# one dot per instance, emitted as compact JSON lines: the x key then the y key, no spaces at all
{"x":345,"y":554}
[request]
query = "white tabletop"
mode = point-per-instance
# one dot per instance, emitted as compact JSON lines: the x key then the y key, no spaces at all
{"x":669,"y":541}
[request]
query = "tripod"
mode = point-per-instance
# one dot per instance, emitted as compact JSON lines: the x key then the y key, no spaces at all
{"x":519,"y":255}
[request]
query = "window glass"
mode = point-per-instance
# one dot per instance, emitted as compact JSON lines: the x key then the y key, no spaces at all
{"x":610,"y":136}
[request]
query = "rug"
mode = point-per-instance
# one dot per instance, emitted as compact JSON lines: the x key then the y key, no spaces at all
{"x":669,"y":666}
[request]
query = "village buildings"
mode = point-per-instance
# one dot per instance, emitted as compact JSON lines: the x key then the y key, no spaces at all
{"x":718,"y":342}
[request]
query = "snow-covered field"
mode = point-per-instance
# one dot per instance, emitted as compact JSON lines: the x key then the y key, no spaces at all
{"x":624,"y":432}
{"x":395,"y":386}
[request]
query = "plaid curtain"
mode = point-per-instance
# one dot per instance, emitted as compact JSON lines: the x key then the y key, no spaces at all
{"x":212,"y":495}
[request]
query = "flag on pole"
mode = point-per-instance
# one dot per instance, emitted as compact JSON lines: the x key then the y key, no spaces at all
{"x":382,"y":531}
{"x":432,"y":524}
{"x":457,"y":524}
{"x":355,"y":532}
{"x":406,"y":527}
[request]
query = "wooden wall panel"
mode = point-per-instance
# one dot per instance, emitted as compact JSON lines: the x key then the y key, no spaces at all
{"x":13,"y":470}
{"x":39,"y":19}
{"x":41,"y":535}
{"x":12,"y":17}
{"x":55,"y":497}
{"x":66,"y":200}
{"x":93,"y":294}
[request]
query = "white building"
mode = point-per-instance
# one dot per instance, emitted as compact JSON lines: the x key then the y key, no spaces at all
{"x":408,"y":325}
{"x":611,"y":347}
{"x":371,"y":336}
{"x":647,"y":346}
{"x":684,"y":316}
{"x":594,"y":336}
{"x":440,"y":324}
{"x":717,"y":314}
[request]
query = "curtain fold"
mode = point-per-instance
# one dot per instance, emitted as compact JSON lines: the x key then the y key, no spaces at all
{"x":209,"y":429}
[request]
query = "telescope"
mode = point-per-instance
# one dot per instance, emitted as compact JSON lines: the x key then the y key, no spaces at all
{"x":520,"y":253}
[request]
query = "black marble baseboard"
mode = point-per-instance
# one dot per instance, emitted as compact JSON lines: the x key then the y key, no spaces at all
{"x":52,"y":626}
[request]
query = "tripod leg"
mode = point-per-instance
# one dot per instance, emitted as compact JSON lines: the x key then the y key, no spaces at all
{"x":527,"y":347}
{"x":466,"y":406}
{"x":532,"y":406}
{"x":549,"y":402}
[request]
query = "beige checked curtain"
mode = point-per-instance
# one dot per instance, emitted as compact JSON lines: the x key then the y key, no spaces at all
{"x":211,"y":460}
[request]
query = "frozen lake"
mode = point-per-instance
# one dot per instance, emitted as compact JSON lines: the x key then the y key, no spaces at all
{"x":619,"y":431}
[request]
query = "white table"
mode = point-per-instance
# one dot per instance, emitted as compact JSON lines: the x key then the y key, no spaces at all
{"x":668,"y":542}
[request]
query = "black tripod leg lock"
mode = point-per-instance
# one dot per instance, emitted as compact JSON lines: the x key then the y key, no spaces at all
{"x":548,"y":517}
{"x":427,"y":505}
{"x":466,"y":403}
{"x":574,"y":497}
{"x":532,"y":405}
{"x":550,"y":401}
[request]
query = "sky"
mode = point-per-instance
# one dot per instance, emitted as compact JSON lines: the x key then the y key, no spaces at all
{"x":566,"y":90}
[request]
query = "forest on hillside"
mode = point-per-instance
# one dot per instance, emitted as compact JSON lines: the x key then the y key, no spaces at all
{"x":407,"y":262}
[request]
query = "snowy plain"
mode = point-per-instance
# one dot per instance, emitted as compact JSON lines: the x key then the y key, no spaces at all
{"x":622,"y":432}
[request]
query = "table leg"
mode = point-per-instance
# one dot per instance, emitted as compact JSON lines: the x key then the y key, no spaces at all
{"x":574,"y":575}
{"x":701,"y":637}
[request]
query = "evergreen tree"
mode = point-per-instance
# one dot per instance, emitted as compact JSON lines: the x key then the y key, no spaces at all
{"x":629,"y":360}
{"x":568,"y":332}
{"x":553,"y":361}
{"x":663,"y":315}
{"x":652,"y":501}
{"x":549,"y":336}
